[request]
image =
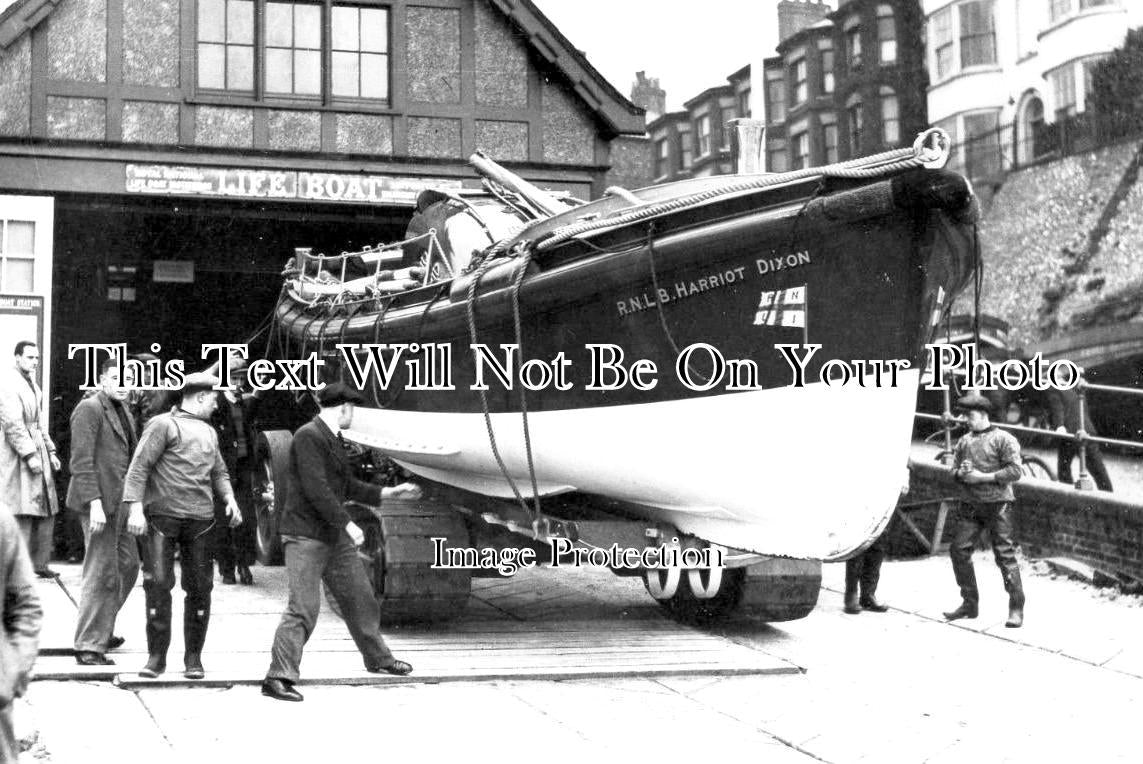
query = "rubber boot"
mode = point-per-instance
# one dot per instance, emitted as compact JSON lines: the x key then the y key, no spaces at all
{"x":194,"y":636}
{"x":852,"y":579}
{"x":870,"y":576}
{"x":1015,"y":587}
{"x":966,"y":610}
{"x":158,"y":640}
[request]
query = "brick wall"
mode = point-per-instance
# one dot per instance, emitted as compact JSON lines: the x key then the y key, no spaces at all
{"x":1051,"y":520}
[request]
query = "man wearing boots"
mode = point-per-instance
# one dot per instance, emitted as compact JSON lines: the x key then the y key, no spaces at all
{"x":320,"y":540}
{"x":861,"y":576}
{"x":986,"y":463}
{"x":176,"y":472}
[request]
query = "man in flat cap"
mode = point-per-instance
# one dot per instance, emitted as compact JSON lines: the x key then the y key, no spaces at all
{"x":177,"y":472}
{"x":986,"y":464}
{"x":320,"y":540}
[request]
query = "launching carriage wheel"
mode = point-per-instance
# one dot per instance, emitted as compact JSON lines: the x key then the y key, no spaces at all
{"x":398,"y":555}
{"x":773,"y":590}
{"x":684,"y":606}
{"x":269,"y":486}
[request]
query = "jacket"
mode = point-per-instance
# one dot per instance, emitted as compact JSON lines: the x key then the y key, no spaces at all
{"x":991,"y":451}
{"x":20,"y":612}
{"x":320,"y":482}
{"x":21,"y":418}
{"x":100,"y":454}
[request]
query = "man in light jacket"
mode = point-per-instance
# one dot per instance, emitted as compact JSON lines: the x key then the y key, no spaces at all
{"x":28,"y":460}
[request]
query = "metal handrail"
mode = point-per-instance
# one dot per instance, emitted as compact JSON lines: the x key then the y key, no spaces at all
{"x":1085,"y":482}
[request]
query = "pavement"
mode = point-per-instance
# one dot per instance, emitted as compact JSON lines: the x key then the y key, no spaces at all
{"x":904,"y":686}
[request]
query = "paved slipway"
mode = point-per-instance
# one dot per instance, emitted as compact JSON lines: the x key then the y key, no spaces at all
{"x":562,"y":665}
{"x":899,"y":687}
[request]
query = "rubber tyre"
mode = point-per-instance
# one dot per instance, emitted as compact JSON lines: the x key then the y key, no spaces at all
{"x":270,"y":478}
{"x":686,"y":608}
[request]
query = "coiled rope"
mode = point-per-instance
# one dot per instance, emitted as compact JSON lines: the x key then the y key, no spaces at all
{"x":920,"y":155}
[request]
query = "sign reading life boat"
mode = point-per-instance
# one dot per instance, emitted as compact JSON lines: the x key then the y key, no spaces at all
{"x":179,"y":180}
{"x":684,"y":288}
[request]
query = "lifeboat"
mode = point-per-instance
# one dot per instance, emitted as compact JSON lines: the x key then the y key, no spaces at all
{"x":695,"y":303}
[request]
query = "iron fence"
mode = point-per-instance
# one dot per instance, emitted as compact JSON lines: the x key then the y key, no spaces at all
{"x":991,"y":155}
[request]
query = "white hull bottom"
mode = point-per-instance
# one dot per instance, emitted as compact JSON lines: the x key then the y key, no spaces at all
{"x":810,"y":473}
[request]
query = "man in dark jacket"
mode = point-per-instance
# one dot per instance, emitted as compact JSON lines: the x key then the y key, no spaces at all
{"x":102,"y":441}
{"x":986,"y":464}
{"x":235,"y":549}
{"x":1064,"y":413}
{"x":320,"y":540}
{"x":20,"y":619}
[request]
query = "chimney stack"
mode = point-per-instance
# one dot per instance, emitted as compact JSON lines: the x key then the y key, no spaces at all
{"x":647,"y":93}
{"x":796,"y":15}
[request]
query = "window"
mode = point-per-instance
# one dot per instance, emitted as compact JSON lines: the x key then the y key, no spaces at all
{"x":886,"y":34}
{"x":1063,"y":82}
{"x":662,"y":157}
{"x":293,"y":49}
{"x":982,"y":134}
{"x":829,"y":140}
{"x":853,"y":43}
{"x":826,"y":48}
{"x":702,"y":135}
{"x":744,"y":104}
{"x":727,"y":128}
{"x":801,"y":143}
{"x":801,"y":88}
{"x":776,"y":158}
{"x":854,"y":123}
{"x":1057,"y":9}
{"x":226,"y":44}
{"x":17,"y":256}
{"x":890,"y":117}
{"x":943,"y":42}
{"x":121,"y":283}
{"x":360,"y":60}
{"x":977,"y":33}
{"x":309,"y":49}
{"x":686,"y":154}
{"x":775,"y":98}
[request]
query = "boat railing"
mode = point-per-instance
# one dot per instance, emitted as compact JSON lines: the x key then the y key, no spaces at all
{"x":315,"y":281}
{"x":951,"y":422}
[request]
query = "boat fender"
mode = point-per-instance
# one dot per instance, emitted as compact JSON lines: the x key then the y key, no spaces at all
{"x":937,"y":189}
{"x":873,"y":200}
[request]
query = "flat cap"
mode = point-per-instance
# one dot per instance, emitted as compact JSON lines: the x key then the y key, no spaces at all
{"x":199,"y":380}
{"x":338,"y":393}
{"x":974,"y":402}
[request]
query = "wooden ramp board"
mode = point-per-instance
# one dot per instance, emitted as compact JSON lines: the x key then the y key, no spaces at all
{"x":541,"y":624}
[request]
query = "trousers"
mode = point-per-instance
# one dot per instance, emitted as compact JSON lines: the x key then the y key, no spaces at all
{"x":236,"y":546}
{"x":864,"y":571}
{"x":38,"y":533}
{"x":308,"y":563}
{"x":971,"y":519}
{"x":110,"y":570}
{"x":164,"y":534}
{"x":9,"y":746}
{"x":1069,"y":450}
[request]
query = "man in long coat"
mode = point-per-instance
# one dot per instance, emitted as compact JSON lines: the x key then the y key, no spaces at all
{"x":28,"y":460}
{"x":102,"y":441}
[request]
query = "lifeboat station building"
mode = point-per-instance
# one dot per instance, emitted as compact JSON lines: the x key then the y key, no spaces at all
{"x":160,"y":159}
